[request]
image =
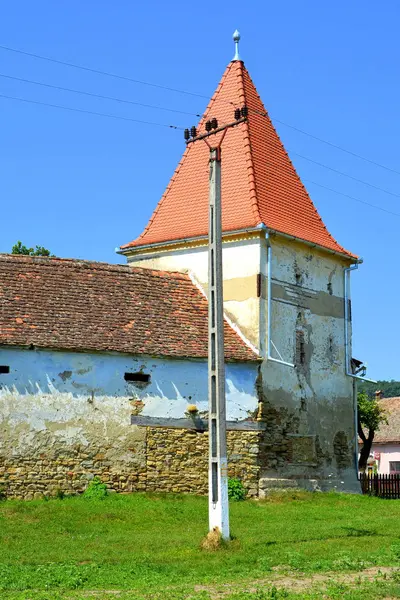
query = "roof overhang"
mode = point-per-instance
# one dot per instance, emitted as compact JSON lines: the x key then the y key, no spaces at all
{"x":258,"y":229}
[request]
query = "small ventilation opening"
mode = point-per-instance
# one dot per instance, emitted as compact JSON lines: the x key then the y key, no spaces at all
{"x":137,"y":377}
{"x":4,"y":369}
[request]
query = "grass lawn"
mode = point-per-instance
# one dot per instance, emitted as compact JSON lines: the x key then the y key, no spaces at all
{"x":148,"y":546}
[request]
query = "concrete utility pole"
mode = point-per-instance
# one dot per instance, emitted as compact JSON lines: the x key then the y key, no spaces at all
{"x":218,"y":506}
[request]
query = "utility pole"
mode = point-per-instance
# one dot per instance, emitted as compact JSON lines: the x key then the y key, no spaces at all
{"x":218,"y":507}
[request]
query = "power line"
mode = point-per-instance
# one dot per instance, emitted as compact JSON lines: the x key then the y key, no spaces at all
{"x":328,"y":188}
{"x":375,"y":187}
{"x":180,"y":91}
{"x":108,"y":115}
{"x":371,"y":185}
{"x":99,"y":72}
{"x":372,"y":162}
{"x":65,"y":89}
{"x":90,"y":112}
{"x":314,"y":137}
{"x":351,"y":197}
{"x":176,"y":127}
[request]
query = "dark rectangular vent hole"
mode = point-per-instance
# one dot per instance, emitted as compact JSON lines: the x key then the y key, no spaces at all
{"x":137,"y":377}
{"x":4,"y":369}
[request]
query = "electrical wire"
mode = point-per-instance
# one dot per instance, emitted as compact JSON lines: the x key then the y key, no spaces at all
{"x":90,"y":112}
{"x":99,"y":72}
{"x":108,"y":115}
{"x":371,"y":185}
{"x":92,"y":95}
{"x":367,"y":183}
{"x":181,"y":91}
{"x":390,"y":212}
{"x":350,"y":152}
{"x":327,"y":188}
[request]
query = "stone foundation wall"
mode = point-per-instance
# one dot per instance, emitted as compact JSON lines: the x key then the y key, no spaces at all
{"x":66,"y":472}
{"x":161,"y":460}
{"x":177,"y":460}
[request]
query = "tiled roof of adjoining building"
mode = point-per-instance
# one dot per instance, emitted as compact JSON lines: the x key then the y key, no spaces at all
{"x":259,"y":181}
{"x":390,"y":431}
{"x":90,"y":306}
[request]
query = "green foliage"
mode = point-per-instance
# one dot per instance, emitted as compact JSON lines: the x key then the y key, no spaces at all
{"x":236,"y":489}
{"x":370,"y":412}
{"x":19,"y":248}
{"x":390,"y":389}
{"x":96,"y":490}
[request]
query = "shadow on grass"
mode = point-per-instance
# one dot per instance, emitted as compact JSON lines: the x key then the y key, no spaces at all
{"x":349,"y":532}
{"x":354,"y":532}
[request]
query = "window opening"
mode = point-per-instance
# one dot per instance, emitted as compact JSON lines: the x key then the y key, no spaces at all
{"x":137,"y":377}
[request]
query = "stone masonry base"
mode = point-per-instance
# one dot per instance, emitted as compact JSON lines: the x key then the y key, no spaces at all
{"x":166,"y":460}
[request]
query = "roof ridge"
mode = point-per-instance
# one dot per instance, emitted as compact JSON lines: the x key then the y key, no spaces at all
{"x":48,"y":261}
{"x":249,"y":153}
{"x":302,"y":184}
{"x":180,"y":164}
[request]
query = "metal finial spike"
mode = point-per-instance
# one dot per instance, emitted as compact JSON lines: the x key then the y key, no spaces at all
{"x":236,"y":38}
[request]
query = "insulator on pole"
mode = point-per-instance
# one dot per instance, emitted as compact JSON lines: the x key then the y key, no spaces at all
{"x":237,"y":114}
{"x":244,"y":111}
{"x":214,"y":123}
{"x":208,"y":126}
{"x":186,"y":134}
{"x":193,"y":131}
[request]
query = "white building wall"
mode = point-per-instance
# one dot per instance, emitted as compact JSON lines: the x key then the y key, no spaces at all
{"x":387,"y":453}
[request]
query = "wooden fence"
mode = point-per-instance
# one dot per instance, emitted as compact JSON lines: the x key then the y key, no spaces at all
{"x":384,"y":486}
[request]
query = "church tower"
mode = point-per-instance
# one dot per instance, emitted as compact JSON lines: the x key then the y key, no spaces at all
{"x":285,"y":286}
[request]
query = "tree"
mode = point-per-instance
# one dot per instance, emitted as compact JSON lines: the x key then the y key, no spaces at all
{"x":370,"y":416}
{"x":19,"y":248}
{"x":388,"y":388}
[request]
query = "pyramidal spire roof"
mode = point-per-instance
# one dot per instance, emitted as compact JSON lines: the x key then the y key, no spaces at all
{"x":259,"y":181}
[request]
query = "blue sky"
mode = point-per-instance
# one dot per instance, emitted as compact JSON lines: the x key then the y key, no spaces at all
{"x":81,"y":184}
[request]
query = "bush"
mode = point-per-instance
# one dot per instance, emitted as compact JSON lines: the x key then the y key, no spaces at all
{"x":96,"y":489}
{"x":236,"y":489}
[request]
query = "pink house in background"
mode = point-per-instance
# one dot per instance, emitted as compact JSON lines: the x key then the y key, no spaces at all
{"x":386,"y":445}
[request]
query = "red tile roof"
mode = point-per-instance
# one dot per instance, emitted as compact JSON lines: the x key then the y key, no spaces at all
{"x":259,"y":182}
{"x":81,"y":305}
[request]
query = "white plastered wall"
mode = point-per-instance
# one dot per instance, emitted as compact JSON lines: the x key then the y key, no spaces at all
{"x":241,"y":265}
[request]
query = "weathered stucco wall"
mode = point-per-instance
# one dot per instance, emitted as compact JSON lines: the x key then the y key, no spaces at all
{"x":309,"y":409}
{"x":65,"y":417}
{"x":241,"y":259}
{"x":317,"y":396}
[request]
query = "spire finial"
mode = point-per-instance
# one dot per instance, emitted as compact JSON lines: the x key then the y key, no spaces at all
{"x":236,"y":38}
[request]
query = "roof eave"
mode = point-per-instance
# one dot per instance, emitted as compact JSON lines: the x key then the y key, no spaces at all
{"x":88,"y":349}
{"x":128,"y":250}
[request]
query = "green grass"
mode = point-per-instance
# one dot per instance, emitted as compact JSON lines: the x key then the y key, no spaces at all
{"x":150,"y":545}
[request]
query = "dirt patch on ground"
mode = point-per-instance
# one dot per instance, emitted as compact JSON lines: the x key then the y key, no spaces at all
{"x":298,"y":582}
